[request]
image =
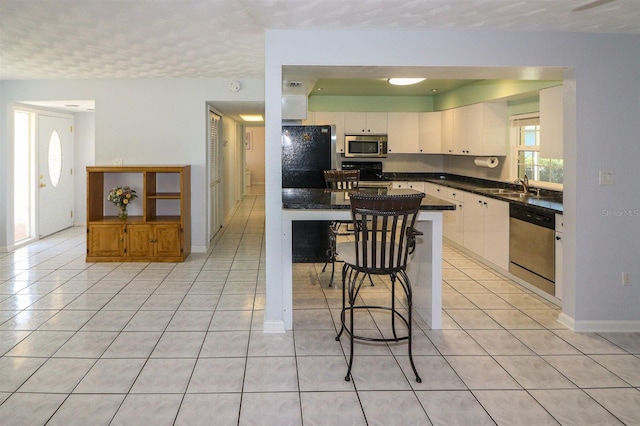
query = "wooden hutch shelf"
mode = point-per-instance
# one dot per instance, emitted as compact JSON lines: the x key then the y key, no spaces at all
{"x":160,"y":232}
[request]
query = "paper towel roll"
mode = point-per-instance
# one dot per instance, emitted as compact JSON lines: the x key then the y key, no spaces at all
{"x":490,"y":162}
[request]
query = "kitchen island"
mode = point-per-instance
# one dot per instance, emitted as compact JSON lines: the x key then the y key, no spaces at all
{"x":425,"y":266}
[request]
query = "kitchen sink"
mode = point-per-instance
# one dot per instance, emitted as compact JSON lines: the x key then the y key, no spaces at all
{"x":499,"y":191}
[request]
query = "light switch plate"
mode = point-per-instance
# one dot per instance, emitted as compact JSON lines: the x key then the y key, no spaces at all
{"x":605,"y":178}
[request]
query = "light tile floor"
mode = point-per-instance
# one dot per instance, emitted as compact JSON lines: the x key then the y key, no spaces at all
{"x":155,"y":344}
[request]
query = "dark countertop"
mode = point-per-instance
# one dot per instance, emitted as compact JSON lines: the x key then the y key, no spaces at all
{"x":548,"y":200}
{"x":325,"y":199}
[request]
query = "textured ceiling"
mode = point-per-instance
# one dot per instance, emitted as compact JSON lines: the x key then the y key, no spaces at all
{"x":78,"y":39}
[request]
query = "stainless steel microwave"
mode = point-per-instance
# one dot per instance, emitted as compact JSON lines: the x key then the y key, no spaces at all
{"x":365,"y":146}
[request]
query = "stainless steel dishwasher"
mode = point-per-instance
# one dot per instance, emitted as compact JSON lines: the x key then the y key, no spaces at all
{"x":532,"y":246}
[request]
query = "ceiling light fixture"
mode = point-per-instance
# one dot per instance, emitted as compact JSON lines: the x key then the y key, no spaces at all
{"x":404,"y":81}
{"x":251,"y":117}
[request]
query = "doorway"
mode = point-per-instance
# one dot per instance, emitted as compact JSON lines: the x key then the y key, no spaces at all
{"x":43,"y":174}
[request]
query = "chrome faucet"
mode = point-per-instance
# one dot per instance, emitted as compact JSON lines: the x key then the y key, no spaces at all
{"x":524,"y":182}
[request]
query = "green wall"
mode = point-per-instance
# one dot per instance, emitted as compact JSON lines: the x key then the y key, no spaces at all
{"x":522,"y":96}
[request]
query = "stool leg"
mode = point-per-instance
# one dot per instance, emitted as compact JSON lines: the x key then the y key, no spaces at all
{"x":409,"y":294}
{"x":352,"y":281}
{"x":342,"y":313}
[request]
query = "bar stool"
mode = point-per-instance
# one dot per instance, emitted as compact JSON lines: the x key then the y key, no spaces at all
{"x":385,"y":238}
{"x":338,"y":180}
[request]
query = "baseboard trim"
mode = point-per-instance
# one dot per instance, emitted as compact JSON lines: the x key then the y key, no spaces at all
{"x":602,"y":326}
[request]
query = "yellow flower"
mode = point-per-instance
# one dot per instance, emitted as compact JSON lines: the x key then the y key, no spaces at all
{"x":128,"y":195}
{"x":119,"y":191}
{"x":125,"y":201}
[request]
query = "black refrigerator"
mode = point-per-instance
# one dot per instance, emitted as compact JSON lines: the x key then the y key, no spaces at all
{"x":306,"y":152}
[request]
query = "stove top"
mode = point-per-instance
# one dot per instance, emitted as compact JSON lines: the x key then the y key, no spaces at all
{"x":369,"y":170}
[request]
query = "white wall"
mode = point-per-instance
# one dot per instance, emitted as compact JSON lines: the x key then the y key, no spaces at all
{"x":598,"y":245}
{"x":146,"y":121}
{"x":83,"y":156}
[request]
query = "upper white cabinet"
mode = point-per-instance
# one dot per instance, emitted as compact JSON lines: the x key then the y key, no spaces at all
{"x":480,"y":129}
{"x":447,"y":131}
{"x":337,"y":118}
{"x":551,"y":123}
{"x":430,"y":132}
{"x":356,"y":123}
{"x":403,"y":132}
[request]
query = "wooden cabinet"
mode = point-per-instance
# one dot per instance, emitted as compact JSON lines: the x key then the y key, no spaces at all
{"x":356,"y":123}
{"x":430,"y":132}
{"x":105,"y":240}
{"x":403,"y":132}
{"x":551,"y":123}
{"x":159,"y":225}
{"x":336,"y":118}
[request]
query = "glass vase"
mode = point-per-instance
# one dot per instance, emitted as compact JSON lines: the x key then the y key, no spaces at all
{"x":123,"y":213}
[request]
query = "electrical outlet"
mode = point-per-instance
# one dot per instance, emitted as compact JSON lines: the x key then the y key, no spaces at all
{"x":626,"y":278}
{"x":117,"y":161}
{"x":605,"y":178}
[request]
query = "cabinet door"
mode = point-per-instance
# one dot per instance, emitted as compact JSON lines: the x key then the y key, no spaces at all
{"x":447,"y":131}
{"x":495,"y":129}
{"x":559,"y":250}
{"x":418,"y":186}
{"x":496,"y":232}
{"x":430,"y":132}
{"x":551,"y":123}
{"x":105,"y":240}
{"x":355,"y":123}
{"x":337,"y":118}
{"x":139,"y":241}
{"x":474,"y":116}
{"x":365,"y":122}
{"x":167,"y":241}
{"x":377,"y":122}
{"x":455,"y":223}
{"x":403,"y":132}
{"x":400,"y":185}
{"x":460,"y":130}
{"x":474,"y":223}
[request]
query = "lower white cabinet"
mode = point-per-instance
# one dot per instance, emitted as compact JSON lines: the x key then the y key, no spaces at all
{"x":400,"y":185}
{"x":486,"y":228}
{"x":559,"y":229}
{"x":480,"y":224}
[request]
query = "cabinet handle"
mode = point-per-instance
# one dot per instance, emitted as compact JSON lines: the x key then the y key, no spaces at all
{"x":558,"y":238}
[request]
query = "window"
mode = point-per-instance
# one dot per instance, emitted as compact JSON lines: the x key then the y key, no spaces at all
{"x":23,"y":166}
{"x":55,"y":158}
{"x":544,"y":172}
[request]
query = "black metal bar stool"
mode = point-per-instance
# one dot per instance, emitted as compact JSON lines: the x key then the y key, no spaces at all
{"x":338,"y":180}
{"x":385,"y":237}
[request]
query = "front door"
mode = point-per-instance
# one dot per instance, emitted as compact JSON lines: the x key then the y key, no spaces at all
{"x":55,"y":174}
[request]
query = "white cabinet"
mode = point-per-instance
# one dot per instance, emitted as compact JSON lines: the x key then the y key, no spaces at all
{"x":337,"y":118}
{"x":496,"y":233}
{"x":356,"y":123}
{"x":559,"y":229}
{"x":446,"y":121}
{"x":479,"y":129}
{"x":460,"y":143}
{"x":486,"y":228}
{"x":430,"y":132}
{"x":403,"y":132}
{"x":453,"y":219}
{"x":418,"y":186}
{"x":551,"y":123}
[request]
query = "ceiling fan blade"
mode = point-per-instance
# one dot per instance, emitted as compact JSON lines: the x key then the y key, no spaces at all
{"x":591,"y":5}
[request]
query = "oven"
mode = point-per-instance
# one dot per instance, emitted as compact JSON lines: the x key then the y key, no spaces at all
{"x":371,"y":175}
{"x":532,"y":246}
